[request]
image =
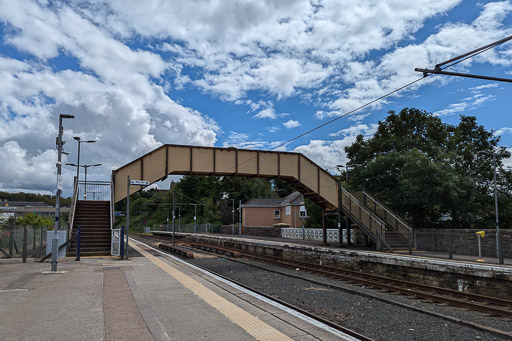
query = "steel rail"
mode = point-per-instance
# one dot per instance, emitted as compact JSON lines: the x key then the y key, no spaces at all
{"x":400,"y":286}
{"x":331,"y":324}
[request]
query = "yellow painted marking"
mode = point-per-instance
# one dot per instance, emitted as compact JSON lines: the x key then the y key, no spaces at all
{"x":251,"y":324}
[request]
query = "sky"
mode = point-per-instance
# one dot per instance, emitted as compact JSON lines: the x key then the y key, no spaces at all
{"x":248,"y":74}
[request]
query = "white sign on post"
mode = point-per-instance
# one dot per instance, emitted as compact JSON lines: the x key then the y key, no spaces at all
{"x":59,"y":182}
{"x":139,"y":182}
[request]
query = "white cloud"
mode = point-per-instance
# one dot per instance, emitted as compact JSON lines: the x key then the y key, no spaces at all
{"x":508,"y":162}
{"x":18,"y":169}
{"x":266,"y":113}
{"x":328,"y":154}
{"x":113,"y":95}
{"x":502,"y":131}
{"x":291,"y":124}
{"x":469,"y":103}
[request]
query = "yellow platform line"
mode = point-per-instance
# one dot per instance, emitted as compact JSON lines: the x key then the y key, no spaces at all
{"x":251,"y":324}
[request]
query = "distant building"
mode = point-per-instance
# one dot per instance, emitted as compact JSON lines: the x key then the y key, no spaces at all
{"x":270,"y":212}
{"x":18,"y":208}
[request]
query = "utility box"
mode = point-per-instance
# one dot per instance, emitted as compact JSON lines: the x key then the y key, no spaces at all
{"x":62,"y":236}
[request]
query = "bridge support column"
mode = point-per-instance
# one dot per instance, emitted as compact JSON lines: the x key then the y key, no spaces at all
{"x":324,"y":228}
{"x":340,"y":216}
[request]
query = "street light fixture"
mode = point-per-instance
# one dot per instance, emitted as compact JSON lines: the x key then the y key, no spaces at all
{"x":55,"y":240}
{"x":85,"y":181}
{"x":346,"y":173}
{"x":498,"y":249}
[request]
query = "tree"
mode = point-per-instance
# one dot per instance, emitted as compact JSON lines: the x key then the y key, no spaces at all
{"x":424,"y":168}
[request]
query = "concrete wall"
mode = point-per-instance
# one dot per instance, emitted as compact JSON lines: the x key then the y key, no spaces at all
{"x":464,"y":242}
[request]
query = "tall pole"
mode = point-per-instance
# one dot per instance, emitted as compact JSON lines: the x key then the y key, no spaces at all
{"x":55,"y":240}
{"x":195,"y":217}
{"x":240,"y":217}
{"x":233,"y":211}
{"x":179,"y":218}
{"x":85,"y":183}
{"x":78,"y":162}
{"x":498,"y":250}
{"x":127,"y":213}
{"x":167,"y":226}
{"x":173,"y":215}
{"x":340,"y":230}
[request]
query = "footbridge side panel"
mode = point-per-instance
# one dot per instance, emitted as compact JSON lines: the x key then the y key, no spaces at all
{"x":295,"y":168}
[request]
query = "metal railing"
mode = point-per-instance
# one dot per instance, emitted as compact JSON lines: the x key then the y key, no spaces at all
{"x":391,"y":218}
{"x":94,"y":190}
{"x":23,"y":241}
{"x":369,"y":220}
{"x":112,"y":204}
{"x":73,"y":207}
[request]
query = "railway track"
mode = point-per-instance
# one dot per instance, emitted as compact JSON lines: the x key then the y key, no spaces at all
{"x":484,"y":304}
{"x":351,"y":334}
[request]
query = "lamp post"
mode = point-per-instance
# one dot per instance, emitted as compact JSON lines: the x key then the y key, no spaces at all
{"x":346,"y":173}
{"x":498,"y":249}
{"x":55,"y":240}
{"x":85,"y":181}
{"x":233,"y":211}
{"x":79,"y":141}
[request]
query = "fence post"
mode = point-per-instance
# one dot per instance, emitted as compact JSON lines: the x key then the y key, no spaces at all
{"x":121,"y":243}
{"x":378,"y":240}
{"x":450,"y":251}
{"x":34,"y":238}
{"x":11,"y":242}
{"x":410,"y":242}
{"x":24,"y":244}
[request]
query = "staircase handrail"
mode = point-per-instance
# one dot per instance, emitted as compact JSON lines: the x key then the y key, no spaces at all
{"x":369,"y":212}
{"x":388,"y":211}
{"x":73,"y":205}
{"x":111,"y":204}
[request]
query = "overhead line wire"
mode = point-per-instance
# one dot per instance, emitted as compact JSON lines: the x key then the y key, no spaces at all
{"x":454,"y":60}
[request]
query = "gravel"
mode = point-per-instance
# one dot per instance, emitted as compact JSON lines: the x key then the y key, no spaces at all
{"x":364,"y":311}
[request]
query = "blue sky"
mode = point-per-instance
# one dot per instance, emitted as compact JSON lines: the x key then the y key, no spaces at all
{"x":249,"y":74}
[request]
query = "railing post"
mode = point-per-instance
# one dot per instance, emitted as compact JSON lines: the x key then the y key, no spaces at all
{"x":410,"y":242}
{"x":78,"y":241}
{"x":121,"y":243}
{"x":33,"y":239}
{"x":11,"y":242}
{"x":378,"y":240}
{"x":450,"y":251}
{"x":24,"y":244}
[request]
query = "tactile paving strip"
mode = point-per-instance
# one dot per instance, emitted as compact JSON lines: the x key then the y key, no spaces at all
{"x":251,"y":324}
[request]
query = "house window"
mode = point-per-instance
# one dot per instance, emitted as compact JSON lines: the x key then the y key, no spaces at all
{"x":277,"y":214}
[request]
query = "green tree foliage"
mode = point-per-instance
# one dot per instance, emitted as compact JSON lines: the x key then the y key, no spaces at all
{"x":426,"y":169}
{"x":33,"y":197}
{"x":32,"y":219}
{"x":211,"y":195}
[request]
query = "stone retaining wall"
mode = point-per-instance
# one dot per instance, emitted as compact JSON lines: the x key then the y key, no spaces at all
{"x":475,"y":278}
{"x":463,"y":242}
{"x":262,"y":231}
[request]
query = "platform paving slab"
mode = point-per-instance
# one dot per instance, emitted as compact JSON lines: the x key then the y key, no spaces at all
{"x":107,"y":299}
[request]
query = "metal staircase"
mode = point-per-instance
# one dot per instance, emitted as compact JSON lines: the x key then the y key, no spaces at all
{"x":93,"y":214}
{"x":376,"y":220}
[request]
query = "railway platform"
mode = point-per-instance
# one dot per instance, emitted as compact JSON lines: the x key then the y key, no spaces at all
{"x":151,"y":296}
{"x":462,"y":273}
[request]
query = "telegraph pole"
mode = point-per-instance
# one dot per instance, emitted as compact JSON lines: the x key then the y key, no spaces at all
{"x":55,"y":240}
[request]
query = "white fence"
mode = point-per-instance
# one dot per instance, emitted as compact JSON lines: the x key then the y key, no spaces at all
{"x":314,"y":234}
